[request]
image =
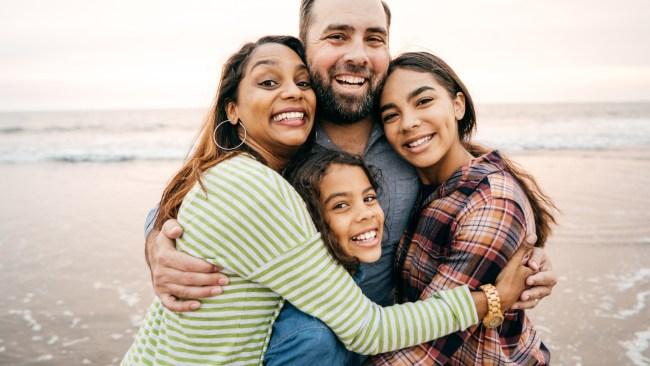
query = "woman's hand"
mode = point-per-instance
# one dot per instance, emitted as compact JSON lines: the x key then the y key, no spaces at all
{"x":178,"y":278}
{"x":540,"y":283}
{"x":511,"y":282}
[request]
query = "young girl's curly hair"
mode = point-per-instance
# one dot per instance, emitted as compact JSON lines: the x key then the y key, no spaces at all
{"x":305,"y":175}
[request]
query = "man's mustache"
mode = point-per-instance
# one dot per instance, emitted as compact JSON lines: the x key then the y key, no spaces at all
{"x":358,"y":70}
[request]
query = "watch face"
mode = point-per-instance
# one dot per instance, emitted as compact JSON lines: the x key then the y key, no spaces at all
{"x":494,"y":321}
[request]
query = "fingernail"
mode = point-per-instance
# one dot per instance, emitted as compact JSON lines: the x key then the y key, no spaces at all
{"x":216,"y":291}
{"x":195,"y":305}
{"x":525,"y":297}
{"x":223,"y":281}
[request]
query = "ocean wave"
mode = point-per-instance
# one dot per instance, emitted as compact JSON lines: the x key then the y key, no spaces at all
{"x":123,"y":136}
{"x":92,"y":158}
{"x":9,"y":130}
{"x":636,"y":348}
{"x":89,"y":158}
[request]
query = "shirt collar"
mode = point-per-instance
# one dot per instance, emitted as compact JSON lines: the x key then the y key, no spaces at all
{"x":469,"y":176}
{"x":376,"y":133}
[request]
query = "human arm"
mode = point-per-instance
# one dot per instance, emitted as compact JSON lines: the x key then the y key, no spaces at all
{"x":178,"y":279}
{"x":485,"y":237}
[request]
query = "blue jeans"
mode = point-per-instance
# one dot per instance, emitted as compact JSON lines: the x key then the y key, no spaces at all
{"x":300,"y":339}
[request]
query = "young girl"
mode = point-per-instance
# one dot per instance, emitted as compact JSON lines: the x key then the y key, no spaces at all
{"x":341,"y":196}
{"x":475,"y":210}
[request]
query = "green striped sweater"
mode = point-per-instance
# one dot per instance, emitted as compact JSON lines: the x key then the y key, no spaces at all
{"x":254,"y":224}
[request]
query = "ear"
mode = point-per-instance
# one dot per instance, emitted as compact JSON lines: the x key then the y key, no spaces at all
{"x":232,"y":112}
{"x":459,"y":106}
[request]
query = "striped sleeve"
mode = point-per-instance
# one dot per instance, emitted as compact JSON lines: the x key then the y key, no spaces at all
{"x":310,"y":279}
{"x":259,"y":227}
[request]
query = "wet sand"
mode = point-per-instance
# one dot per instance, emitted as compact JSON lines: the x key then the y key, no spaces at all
{"x":74,"y":283}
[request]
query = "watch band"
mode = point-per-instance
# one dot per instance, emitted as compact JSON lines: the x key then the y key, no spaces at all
{"x":494,"y":317}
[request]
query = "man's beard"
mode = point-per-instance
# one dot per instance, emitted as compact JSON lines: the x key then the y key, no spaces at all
{"x":342,"y":109}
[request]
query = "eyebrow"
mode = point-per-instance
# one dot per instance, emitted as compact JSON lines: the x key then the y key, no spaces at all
{"x":349,"y":28}
{"x":410,"y":96}
{"x":343,"y":194}
{"x":380,"y":30}
{"x":339,"y":27}
{"x":417,"y":91}
{"x":264,"y":62}
{"x":300,"y":67}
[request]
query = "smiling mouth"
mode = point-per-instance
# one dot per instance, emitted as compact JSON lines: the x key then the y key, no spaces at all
{"x":366,"y":237}
{"x":422,"y":140}
{"x":288,"y":116}
{"x":349,"y":80}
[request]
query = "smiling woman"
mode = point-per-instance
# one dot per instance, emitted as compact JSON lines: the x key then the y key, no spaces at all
{"x":475,"y":210}
{"x":278,"y":104}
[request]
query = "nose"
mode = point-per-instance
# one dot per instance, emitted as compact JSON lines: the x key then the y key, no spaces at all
{"x":410,"y":122}
{"x":365,"y":213}
{"x":356,"y":54}
{"x":291,"y":91}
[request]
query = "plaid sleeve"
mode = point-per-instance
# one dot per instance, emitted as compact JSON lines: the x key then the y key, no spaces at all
{"x":485,"y":236}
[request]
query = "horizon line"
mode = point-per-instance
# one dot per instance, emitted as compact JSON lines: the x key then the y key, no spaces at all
{"x":133,"y":109}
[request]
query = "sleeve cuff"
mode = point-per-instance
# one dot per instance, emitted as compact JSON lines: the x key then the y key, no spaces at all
{"x":460,"y":301}
{"x":149,"y":221}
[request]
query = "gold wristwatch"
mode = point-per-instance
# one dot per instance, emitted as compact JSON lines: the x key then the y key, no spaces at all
{"x":494,"y":317}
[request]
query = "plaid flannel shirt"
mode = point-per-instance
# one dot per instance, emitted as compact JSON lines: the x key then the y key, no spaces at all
{"x":463,"y":232}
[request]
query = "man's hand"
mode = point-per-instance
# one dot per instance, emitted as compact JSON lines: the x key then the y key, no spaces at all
{"x":178,"y":278}
{"x":541,"y":282}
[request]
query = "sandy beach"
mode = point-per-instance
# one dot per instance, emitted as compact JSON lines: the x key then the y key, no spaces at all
{"x":75,"y":286}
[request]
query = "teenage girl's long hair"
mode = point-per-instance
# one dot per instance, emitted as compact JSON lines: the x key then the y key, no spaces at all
{"x":542,"y":205}
{"x":205,"y":153}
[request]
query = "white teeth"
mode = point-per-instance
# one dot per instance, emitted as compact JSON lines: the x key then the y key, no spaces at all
{"x":288,"y":115}
{"x":419,"y":141}
{"x":349,"y":79}
{"x":366,"y":236}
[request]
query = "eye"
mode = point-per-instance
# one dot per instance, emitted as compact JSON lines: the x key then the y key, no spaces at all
{"x":370,"y":198}
{"x":268,"y":83}
{"x":304,"y":84}
{"x":376,"y":40}
{"x":340,"y":206}
{"x":336,"y":37}
{"x":389,"y":117}
{"x":423,"y":101}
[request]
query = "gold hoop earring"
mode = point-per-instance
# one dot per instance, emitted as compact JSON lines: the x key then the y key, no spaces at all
{"x":214,"y":136}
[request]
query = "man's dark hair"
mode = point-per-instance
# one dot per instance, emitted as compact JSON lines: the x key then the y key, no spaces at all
{"x":305,"y":17}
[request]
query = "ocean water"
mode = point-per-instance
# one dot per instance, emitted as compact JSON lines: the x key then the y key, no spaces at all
{"x":114,"y":136}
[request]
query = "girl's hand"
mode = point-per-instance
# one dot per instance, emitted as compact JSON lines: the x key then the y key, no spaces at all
{"x":540,"y":284}
{"x":511,"y":282}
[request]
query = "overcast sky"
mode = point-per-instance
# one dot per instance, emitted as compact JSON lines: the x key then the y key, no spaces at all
{"x":90,"y":54}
